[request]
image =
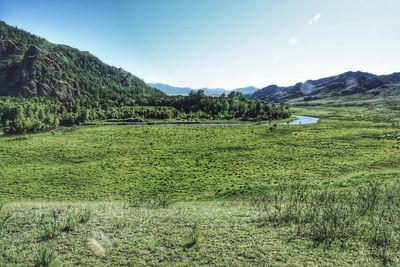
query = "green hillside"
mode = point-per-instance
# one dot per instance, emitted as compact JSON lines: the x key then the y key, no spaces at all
{"x":32,"y":66}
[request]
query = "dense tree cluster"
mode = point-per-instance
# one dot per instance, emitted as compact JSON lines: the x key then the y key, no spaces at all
{"x":20,"y":115}
{"x":233,"y":106}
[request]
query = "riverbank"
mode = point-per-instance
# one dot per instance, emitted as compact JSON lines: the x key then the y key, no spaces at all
{"x":294,"y":120}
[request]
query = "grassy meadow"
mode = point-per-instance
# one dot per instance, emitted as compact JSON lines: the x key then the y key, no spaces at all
{"x":205,"y":195}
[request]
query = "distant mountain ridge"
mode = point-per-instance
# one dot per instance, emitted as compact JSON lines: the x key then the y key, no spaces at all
{"x":347,"y":85}
{"x":173,"y":90}
{"x":32,"y":66}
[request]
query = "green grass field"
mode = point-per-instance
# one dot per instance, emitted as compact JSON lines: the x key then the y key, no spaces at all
{"x":192,"y":162}
{"x":206,"y":175}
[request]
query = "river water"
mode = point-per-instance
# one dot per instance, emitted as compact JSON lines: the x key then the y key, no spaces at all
{"x":300,"y":120}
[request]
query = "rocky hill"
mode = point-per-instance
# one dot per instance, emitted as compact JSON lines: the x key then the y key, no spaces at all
{"x":345,"y":86}
{"x":32,"y":66}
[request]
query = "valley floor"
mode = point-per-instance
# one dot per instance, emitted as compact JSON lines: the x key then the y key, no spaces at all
{"x":184,"y":195}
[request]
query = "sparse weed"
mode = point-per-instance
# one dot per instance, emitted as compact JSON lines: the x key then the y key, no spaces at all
{"x":153,"y":202}
{"x":51,"y":229}
{"x":381,"y":235}
{"x":84,"y":215}
{"x":331,"y":216}
{"x":120,"y":223}
{"x":71,"y":223}
{"x":368,"y":197}
{"x":44,"y":257}
{"x":194,"y":237}
{"x":285,"y":204}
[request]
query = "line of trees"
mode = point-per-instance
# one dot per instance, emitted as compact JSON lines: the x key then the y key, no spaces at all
{"x":20,"y":115}
{"x":232,"y":106}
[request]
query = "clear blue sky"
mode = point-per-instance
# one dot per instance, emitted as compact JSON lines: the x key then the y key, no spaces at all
{"x":222,"y":43}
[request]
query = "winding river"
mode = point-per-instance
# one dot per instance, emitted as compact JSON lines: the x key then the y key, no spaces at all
{"x":300,"y":120}
{"x":304,"y":120}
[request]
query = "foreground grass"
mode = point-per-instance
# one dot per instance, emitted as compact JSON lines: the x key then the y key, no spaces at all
{"x":213,"y":233}
{"x":190,"y":163}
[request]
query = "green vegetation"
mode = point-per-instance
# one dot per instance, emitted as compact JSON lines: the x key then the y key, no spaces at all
{"x":199,"y":233}
{"x":252,"y":194}
{"x":362,"y":216}
{"x":20,"y":115}
{"x":68,"y":87}
{"x":197,"y":163}
{"x":32,"y":66}
{"x":44,"y":257}
{"x":322,"y":194}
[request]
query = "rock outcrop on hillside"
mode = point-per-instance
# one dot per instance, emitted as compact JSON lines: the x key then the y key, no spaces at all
{"x":31,"y":66}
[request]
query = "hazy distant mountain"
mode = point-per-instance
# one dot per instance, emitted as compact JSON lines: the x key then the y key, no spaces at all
{"x":170,"y":90}
{"x":348,"y":85}
{"x":247,"y":90}
{"x":32,"y":66}
{"x":173,"y":90}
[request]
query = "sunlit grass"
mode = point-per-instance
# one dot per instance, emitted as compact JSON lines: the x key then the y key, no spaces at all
{"x":130,"y":196}
{"x":194,"y":163}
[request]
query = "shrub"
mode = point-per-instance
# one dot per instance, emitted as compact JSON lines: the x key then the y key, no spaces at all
{"x":368,"y":197}
{"x":331,"y":218}
{"x":327,"y":217}
{"x":381,"y":235}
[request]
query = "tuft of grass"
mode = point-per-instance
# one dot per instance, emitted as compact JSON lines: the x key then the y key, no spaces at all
{"x":51,"y":229}
{"x":70,"y":223}
{"x":120,"y":223}
{"x":194,"y":237}
{"x":84,"y":215}
{"x":44,"y":257}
